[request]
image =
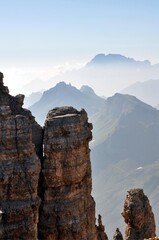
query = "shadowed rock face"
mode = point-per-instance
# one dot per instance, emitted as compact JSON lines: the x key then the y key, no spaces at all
{"x":19,"y":168}
{"x":101,"y":230}
{"x":117,"y":235}
{"x":67,"y":202}
{"x":138,"y":216}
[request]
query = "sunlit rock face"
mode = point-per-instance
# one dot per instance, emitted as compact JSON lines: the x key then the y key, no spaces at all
{"x":68,"y":209}
{"x":138,"y":216}
{"x":19,"y":168}
{"x":45,"y":174}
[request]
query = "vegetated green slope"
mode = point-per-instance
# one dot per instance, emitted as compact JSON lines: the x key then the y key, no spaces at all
{"x":125,"y":156}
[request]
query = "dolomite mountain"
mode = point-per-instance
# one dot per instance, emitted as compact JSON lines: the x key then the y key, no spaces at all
{"x":44,"y":197}
{"x":45,"y":178}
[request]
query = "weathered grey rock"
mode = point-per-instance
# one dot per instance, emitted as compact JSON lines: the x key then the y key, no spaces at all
{"x":138,"y":216}
{"x":67,"y":202}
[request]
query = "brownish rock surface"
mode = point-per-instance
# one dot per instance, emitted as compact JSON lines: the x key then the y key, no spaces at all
{"x":68,"y":209}
{"x":118,"y":235}
{"x":138,"y":216}
{"x":45,"y":197}
{"x":19,"y":168}
{"x":101,"y":235}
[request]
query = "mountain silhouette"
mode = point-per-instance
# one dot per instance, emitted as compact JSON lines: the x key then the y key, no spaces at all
{"x":102,"y":59}
{"x":66,"y":95}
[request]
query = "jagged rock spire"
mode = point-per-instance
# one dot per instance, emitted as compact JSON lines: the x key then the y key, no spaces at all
{"x":138,"y":216}
{"x":1,"y":78}
{"x":101,"y":229}
{"x":117,"y":235}
{"x":2,"y":87}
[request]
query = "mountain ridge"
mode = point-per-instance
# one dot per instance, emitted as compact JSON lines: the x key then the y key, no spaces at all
{"x":146,"y":91}
{"x":116,"y":59}
{"x":66,"y":94}
{"x":124,"y":154}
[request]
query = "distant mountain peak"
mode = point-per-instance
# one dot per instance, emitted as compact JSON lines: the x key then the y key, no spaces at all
{"x":87,"y":90}
{"x":120,"y":104}
{"x":61,"y":84}
{"x":110,"y":58}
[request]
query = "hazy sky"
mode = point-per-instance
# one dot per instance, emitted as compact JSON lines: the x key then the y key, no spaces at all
{"x":47,"y":35}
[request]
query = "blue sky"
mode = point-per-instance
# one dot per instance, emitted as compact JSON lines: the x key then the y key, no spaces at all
{"x":68,"y":29}
{"x":51,"y":32}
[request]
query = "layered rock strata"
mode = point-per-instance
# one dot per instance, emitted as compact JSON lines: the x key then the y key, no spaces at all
{"x":67,"y":202}
{"x":19,"y":168}
{"x":44,"y":197}
{"x":138,"y":216}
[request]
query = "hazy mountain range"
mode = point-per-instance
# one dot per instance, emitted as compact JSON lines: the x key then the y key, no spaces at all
{"x":113,"y":59}
{"x":125,"y":146}
{"x":125,"y":154}
{"x":66,"y":95}
{"x":146,"y":91}
{"x":106,"y":74}
{"x":32,"y":98}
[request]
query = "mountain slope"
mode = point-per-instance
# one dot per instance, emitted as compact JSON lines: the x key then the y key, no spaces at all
{"x":32,"y":98}
{"x":146,"y":91}
{"x":125,"y":154}
{"x":66,"y":95}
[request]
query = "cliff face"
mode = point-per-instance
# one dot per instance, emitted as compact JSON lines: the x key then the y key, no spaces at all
{"x":67,"y":202}
{"x":44,"y":197}
{"x":19,"y":168}
{"x":138,"y":216}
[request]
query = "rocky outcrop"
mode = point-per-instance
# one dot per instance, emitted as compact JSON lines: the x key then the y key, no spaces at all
{"x":19,"y":168}
{"x":67,"y":203}
{"x":117,"y":235}
{"x":101,"y":235}
{"x":3,"y":89}
{"x":45,"y":197}
{"x":138,"y":216}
